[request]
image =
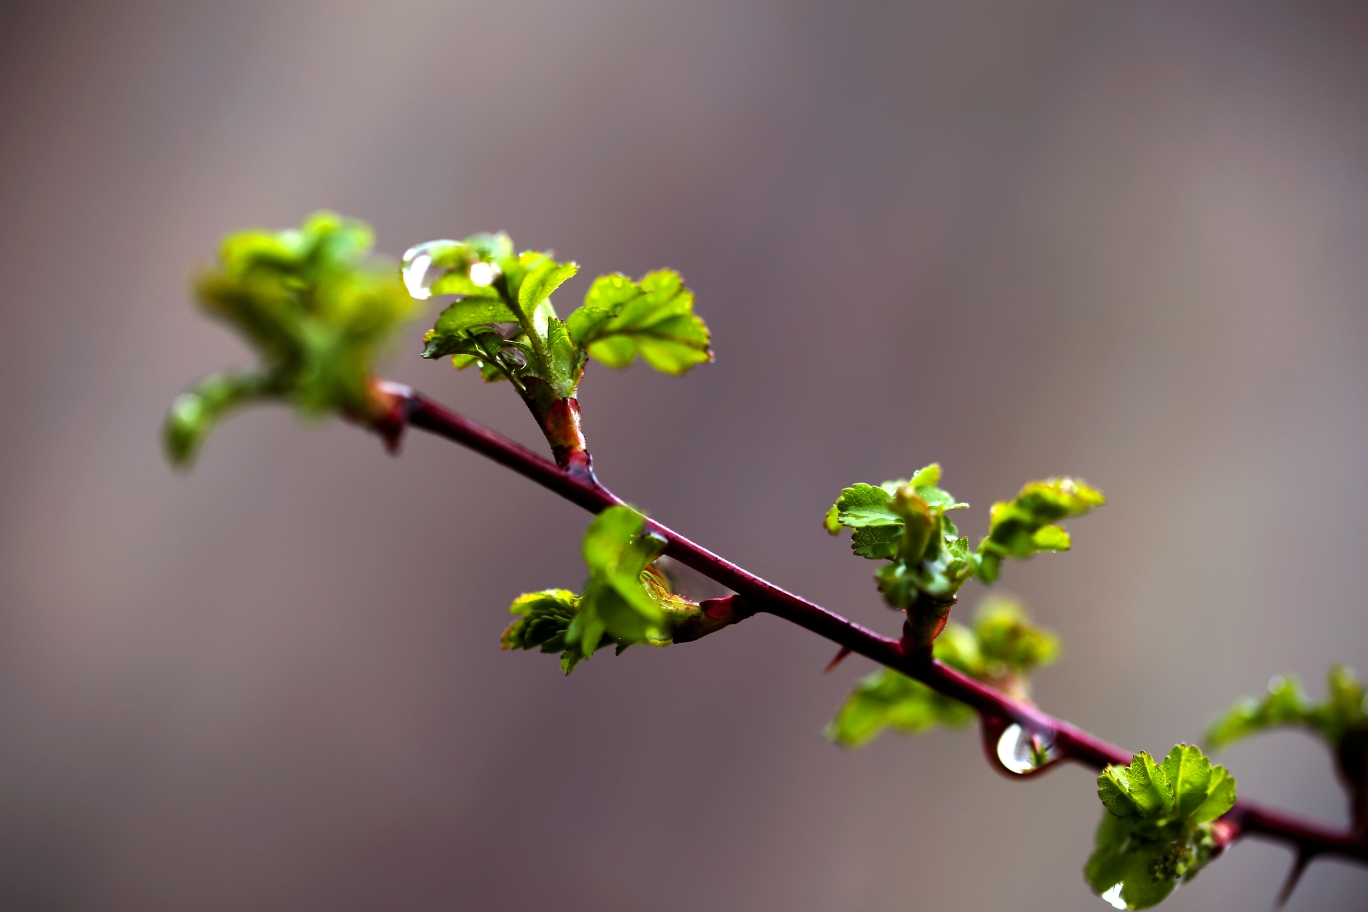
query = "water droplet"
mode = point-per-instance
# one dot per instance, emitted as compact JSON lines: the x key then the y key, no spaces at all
{"x":482,"y":273}
{"x":420,"y":273}
{"x":417,"y":270}
{"x":1113,"y":896}
{"x":1021,"y":751}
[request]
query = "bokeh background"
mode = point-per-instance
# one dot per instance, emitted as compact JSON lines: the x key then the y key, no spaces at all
{"x":1127,"y":241}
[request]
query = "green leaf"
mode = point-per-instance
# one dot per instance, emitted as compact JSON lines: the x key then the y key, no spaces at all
{"x":1188,"y":773}
{"x":544,"y":276}
{"x":565,"y":360}
{"x":832,"y":522}
{"x":904,"y":521}
{"x":615,"y":601}
{"x":927,"y":477}
{"x":1113,"y":787}
{"x":890,"y":699}
{"x":1148,"y":787}
{"x":317,"y":310}
{"x":1119,"y":869}
{"x":1050,"y":538}
{"x":1025,"y":526}
{"x":865,"y":505}
{"x":876,"y":542}
{"x":653,"y":318}
{"x":1009,"y":642}
{"x":958,"y":646}
{"x":544,"y":618}
{"x":194,"y":414}
{"x":451,"y":333}
{"x":1285,"y":704}
{"x":1220,"y":796}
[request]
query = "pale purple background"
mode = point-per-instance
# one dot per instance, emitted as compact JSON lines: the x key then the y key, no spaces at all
{"x":1122,"y":240}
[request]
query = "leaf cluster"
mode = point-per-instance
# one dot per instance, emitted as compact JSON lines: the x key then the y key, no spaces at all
{"x":625,"y":601}
{"x":1344,"y":710}
{"x":1001,"y":649}
{"x":905,"y":523}
{"x":316,"y":308}
{"x":1156,"y":832}
{"x":503,"y":322}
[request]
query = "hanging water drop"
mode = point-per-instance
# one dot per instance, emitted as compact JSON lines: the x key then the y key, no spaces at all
{"x":1113,"y":896}
{"x":417,"y":270}
{"x":1021,"y":751}
{"x":425,"y":265}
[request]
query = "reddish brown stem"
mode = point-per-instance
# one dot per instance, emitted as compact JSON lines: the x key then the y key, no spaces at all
{"x":1306,"y":838}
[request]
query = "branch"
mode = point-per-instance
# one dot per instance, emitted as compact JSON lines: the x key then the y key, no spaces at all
{"x":998,"y":712}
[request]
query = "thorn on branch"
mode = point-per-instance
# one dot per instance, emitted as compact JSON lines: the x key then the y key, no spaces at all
{"x":1299,"y":866}
{"x":840,"y":657}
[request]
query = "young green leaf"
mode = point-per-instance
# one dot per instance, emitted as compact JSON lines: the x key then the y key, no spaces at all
{"x":627,"y":600}
{"x":1025,"y":526}
{"x":1286,"y":704}
{"x":194,"y":413}
{"x":1156,"y":831}
{"x":1149,"y":787}
{"x":543,"y":276}
{"x":1188,"y":773}
{"x":317,"y":310}
{"x":621,"y":319}
{"x":1009,"y":643}
{"x":615,"y":601}
{"x":543,"y":620}
{"x":502,"y":319}
{"x":890,"y":699}
{"x":1220,"y":796}
{"x":1341,"y":723}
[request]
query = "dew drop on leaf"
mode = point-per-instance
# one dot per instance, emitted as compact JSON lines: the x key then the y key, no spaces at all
{"x":482,"y":273}
{"x":1113,"y":896}
{"x":417,"y":270}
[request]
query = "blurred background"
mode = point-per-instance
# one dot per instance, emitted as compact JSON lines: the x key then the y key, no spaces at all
{"x":1127,"y":241}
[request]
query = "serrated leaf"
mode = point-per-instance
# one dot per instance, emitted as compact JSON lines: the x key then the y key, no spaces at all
{"x":876,"y":542}
{"x":1188,"y":772}
{"x":1220,"y":796}
{"x":543,"y":277}
{"x":565,"y":360}
{"x":653,"y":319}
{"x":451,"y":333}
{"x":544,"y":618}
{"x":1113,"y":787}
{"x":865,"y":505}
{"x":1148,"y":787}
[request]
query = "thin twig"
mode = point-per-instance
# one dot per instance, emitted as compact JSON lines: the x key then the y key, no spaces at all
{"x":1308,"y":839}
